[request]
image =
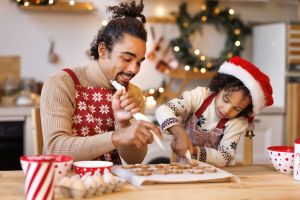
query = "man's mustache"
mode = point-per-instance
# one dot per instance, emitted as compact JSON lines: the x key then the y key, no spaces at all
{"x":131,"y":75}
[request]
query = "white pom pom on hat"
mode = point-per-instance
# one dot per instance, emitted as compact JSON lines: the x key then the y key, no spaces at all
{"x":255,"y":80}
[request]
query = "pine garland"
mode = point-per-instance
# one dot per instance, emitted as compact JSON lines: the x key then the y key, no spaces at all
{"x":224,"y":19}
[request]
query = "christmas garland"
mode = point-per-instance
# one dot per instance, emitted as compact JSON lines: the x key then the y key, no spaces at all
{"x":224,"y":19}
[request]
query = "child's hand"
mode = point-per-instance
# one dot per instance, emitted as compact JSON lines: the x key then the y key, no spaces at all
{"x":124,"y":106}
{"x":194,"y":151}
{"x":181,"y":141}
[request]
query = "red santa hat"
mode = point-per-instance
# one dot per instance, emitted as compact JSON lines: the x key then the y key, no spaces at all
{"x":255,"y":80}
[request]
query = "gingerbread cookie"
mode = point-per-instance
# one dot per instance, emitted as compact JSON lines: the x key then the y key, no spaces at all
{"x":143,"y":173}
{"x":145,"y":166}
{"x":193,"y":162}
{"x":161,"y":172}
{"x":210,"y":169}
{"x":161,"y":165}
{"x":196,"y":171}
{"x":177,"y":171}
{"x":128,"y":166}
{"x":198,"y":167}
{"x":185,"y":166}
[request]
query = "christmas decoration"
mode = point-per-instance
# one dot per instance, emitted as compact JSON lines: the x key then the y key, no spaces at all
{"x":188,"y":25}
{"x":152,"y":95}
{"x":36,"y":2}
{"x":161,"y":55}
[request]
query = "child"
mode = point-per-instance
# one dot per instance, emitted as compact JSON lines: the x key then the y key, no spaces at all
{"x":209,"y":121}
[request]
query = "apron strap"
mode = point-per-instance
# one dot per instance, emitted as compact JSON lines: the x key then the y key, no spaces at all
{"x":222,"y":123}
{"x":205,"y":104}
{"x":73,"y":76}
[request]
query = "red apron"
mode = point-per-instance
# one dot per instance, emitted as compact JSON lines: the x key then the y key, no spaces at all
{"x":202,"y":138}
{"x":93,"y":113}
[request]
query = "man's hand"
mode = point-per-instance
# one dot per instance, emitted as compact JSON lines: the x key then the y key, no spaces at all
{"x":124,"y":106}
{"x":137,"y":134}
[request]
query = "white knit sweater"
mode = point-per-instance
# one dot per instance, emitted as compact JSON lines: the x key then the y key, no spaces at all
{"x":177,"y":112}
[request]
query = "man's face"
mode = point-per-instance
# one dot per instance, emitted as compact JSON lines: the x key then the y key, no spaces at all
{"x":230,"y":103}
{"x":124,"y":61}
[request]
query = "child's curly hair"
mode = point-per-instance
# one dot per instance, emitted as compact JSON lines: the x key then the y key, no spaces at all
{"x":124,"y":20}
{"x":230,"y":83}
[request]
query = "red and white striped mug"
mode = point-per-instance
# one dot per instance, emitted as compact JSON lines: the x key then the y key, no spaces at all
{"x":39,"y":183}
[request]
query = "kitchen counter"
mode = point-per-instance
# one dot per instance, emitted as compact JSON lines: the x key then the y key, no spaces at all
{"x":6,"y":111}
{"x":253,"y":182}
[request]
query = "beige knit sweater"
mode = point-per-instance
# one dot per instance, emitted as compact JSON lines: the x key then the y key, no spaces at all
{"x":57,"y":108}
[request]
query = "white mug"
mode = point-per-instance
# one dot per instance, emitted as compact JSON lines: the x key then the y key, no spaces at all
{"x":297,"y":160}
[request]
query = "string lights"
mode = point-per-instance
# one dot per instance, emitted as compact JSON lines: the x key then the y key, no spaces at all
{"x":41,"y":2}
{"x":152,"y":95}
{"x":193,"y":58}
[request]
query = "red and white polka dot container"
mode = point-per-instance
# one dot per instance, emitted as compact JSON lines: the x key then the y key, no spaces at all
{"x":39,"y":182}
{"x":297,"y":160}
{"x":62,"y":164}
{"x":90,"y":167}
{"x":282,"y":158}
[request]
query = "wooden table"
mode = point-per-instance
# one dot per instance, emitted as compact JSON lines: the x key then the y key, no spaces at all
{"x":256,"y":182}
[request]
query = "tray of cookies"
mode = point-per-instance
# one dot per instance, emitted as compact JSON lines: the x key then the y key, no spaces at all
{"x":194,"y":171}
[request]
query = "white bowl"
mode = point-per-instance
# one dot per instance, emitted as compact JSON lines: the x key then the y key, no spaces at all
{"x":82,"y":167}
{"x":282,"y":158}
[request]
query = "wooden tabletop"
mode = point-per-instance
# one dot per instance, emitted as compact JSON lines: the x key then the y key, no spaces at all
{"x":253,"y":182}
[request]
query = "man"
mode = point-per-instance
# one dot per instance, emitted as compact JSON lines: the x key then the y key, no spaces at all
{"x":83,"y":115}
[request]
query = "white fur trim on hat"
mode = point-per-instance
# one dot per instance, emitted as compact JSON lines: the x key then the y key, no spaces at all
{"x":256,"y":92}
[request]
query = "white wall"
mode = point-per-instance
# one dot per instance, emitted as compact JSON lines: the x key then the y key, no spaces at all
{"x":27,"y":33}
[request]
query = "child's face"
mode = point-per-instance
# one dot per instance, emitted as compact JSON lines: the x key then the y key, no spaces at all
{"x":230,"y":103}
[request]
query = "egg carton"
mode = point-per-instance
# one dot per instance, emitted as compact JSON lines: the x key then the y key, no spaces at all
{"x":88,"y":185}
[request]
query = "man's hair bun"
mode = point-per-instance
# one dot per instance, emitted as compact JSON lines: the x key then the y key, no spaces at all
{"x":128,"y":9}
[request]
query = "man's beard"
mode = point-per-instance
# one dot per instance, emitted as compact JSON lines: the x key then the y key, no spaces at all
{"x":126,"y":74}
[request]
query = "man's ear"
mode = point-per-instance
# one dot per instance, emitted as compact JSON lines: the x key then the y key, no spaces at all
{"x":102,"y":50}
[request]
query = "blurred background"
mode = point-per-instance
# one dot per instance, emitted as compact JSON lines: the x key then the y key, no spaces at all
{"x":187,"y":40}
